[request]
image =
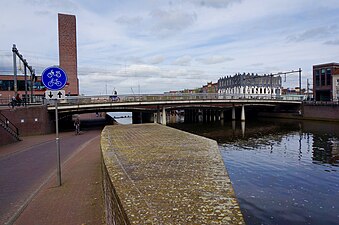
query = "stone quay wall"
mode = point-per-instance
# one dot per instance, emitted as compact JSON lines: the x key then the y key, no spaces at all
{"x":155,"y":174}
{"x":329,"y":112}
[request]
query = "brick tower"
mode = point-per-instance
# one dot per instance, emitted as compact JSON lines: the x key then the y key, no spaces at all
{"x":68,"y":51}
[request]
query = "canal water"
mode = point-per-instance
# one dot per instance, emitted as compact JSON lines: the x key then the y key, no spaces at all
{"x":283,"y":172}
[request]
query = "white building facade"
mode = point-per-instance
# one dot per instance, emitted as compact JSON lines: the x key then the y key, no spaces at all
{"x":250,"y":86}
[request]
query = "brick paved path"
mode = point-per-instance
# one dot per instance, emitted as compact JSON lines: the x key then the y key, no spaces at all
{"x":26,"y":166}
{"x":78,"y":200}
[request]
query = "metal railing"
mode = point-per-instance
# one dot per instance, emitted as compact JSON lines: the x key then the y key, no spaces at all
{"x":9,"y":126}
{"x":78,"y":100}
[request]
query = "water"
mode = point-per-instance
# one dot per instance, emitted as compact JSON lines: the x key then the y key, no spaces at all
{"x":122,"y":117}
{"x":283,"y":172}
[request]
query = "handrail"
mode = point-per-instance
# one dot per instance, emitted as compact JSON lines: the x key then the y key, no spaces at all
{"x":9,"y":124}
{"x":78,"y":100}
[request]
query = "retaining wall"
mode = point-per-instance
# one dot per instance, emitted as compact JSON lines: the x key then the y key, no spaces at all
{"x":32,"y":120}
{"x":154,"y":174}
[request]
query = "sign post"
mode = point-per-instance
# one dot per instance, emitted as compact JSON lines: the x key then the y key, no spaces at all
{"x":54,"y":79}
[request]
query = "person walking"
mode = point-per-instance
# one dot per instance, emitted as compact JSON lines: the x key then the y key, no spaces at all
{"x":77,"y":126}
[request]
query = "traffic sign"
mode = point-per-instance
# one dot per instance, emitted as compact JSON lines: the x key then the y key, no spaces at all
{"x":55,"y":94}
{"x":54,"y":78}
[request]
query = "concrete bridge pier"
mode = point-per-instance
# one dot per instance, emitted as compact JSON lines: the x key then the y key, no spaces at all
{"x":158,"y":116}
{"x":204,"y":116}
{"x":243,"y":113}
{"x":155,"y":117}
{"x":208,"y":115}
{"x":196,"y":115}
{"x":212,"y":115}
{"x":233,"y":113}
{"x":172,"y":116}
{"x":163,"y":122}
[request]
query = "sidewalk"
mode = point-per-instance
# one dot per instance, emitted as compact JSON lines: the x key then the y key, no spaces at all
{"x":79,"y":200}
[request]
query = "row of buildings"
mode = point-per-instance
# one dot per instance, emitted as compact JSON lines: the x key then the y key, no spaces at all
{"x":325,"y":85}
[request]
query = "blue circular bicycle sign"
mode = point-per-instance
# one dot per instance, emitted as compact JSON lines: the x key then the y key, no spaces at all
{"x":54,"y":78}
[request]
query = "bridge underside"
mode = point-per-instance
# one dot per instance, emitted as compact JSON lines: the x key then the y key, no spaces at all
{"x":145,"y":112}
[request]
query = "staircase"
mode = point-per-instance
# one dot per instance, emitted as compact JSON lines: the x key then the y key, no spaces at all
{"x":9,"y":127}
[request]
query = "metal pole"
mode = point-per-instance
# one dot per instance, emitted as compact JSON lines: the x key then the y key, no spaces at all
{"x":271,"y":85}
{"x":32,"y":82}
{"x":57,"y":143}
{"x":299,"y":81}
{"x":14,"y":68}
{"x":25,"y":71}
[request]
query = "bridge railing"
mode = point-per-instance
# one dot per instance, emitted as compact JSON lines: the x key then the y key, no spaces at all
{"x":78,"y":100}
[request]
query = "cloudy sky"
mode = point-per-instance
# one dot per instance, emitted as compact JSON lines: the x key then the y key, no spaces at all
{"x":152,"y":46}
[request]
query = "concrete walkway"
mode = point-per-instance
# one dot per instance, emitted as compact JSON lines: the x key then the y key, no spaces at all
{"x":79,"y":199}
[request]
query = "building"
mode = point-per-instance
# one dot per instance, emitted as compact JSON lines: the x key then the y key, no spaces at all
{"x":67,"y":61}
{"x":326,"y":82}
{"x":68,"y":51}
{"x":210,"y":88}
{"x":7,"y":88}
{"x":253,"y":85}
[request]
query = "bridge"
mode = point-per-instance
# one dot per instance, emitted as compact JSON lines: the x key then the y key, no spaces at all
{"x":154,"y":103}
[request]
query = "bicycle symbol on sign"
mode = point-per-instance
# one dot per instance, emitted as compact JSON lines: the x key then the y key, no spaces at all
{"x":54,"y":78}
{"x":54,"y":81}
{"x":52,"y":74}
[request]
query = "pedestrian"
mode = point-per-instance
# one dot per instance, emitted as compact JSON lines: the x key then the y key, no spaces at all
{"x":13,"y":102}
{"x":77,"y":126}
{"x":18,"y":99}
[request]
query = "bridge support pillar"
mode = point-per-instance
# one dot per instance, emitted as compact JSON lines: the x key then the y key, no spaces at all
{"x":155,"y":117}
{"x":233,"y":113}
{"x":196,"y":115}
{"x":222,"y":115}
{"x":158,"y":116}
{"x":243,"y":113}
{"x":163,"y":116}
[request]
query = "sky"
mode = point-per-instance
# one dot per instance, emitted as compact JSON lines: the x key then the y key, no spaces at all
{"x":154,"y":46}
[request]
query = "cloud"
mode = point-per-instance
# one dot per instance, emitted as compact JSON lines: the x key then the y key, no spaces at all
{"x":125,"y":20}
{"x":183,"y":60}
{"x":156,"y":59}
{"x":214,"y":59}
{"x":332,"y":42}
{"x":214,"y":3}
{"x":168,"y":22}
{"x":314,"y":33}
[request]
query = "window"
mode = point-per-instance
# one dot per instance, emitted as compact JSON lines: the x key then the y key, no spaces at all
{"x":317,"y":81}
{"x":317,"y":78}
{"x":322,"y":77}
{"x":328,"y":76}
{"x":6,"y":85}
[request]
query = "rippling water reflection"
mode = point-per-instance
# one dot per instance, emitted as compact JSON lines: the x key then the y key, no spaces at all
{"x":283,"y":172}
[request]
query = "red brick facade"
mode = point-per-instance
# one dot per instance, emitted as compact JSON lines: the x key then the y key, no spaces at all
{"x":68,"y":51}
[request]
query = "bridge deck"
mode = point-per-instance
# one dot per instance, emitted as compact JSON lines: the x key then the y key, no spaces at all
{"x":165,"y":176}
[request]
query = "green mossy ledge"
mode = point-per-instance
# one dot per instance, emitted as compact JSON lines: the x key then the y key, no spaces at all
{"x":155,"y":174}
